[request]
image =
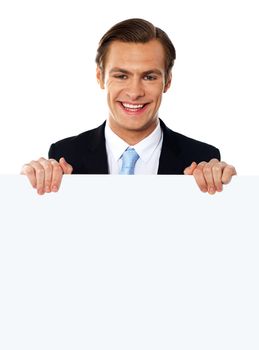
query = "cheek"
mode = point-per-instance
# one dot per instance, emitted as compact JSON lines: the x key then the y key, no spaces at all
{"x":157,"y":91}
{"x":158,"y":96}
{"x":112,"y":89}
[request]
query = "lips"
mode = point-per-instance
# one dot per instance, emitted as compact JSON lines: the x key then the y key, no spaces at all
{"x":132,"y":108}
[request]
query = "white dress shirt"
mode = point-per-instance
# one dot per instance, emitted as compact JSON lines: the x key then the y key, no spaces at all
{"x":148,"y":149}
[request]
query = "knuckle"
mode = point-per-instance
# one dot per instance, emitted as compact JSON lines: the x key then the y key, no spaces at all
{"x":217,"y":169}
{"x":53,"y":162}
{"x":28,"y":169}
{"x":202,"y":163}
{"x":55,"y":165}
{"x":197,"y":172}
{"x":40,"y":171}
{"x":207,"y":170}
{"x":48,"y":166}
{"x":58,"y":171}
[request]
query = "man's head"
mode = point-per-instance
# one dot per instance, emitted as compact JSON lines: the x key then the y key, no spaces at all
{"x":134,"y":62}
{"x":136,"y":30}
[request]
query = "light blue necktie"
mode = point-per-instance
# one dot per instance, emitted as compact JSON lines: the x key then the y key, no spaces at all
{"x":129,"y":159}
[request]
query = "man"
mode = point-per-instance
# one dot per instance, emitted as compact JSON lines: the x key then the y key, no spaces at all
{"x":134,"y":64}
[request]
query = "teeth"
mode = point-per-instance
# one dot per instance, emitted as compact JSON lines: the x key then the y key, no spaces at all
{"x":127,"y":105}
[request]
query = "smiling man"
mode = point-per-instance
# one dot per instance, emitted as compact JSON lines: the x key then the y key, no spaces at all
{"x":135,"y":80}
{"x":134,"y":64}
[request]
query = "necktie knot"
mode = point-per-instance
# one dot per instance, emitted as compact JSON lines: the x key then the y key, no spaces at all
{"x":129,"y":159}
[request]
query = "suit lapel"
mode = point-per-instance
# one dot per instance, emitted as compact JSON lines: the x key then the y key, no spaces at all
{"x":95,"y":159}
{"x":169,"y":162}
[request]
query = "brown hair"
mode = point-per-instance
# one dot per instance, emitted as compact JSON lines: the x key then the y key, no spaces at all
{"x":136,"y":30}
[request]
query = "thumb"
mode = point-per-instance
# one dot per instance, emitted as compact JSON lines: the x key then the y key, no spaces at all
{"x":189,"y":170}
{"x":67,"y":168}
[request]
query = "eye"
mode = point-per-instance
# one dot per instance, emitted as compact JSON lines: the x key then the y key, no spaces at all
{"x":149,"y":77}
{"x":121,"y":76}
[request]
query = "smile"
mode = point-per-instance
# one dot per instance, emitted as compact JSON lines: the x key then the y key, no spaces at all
{"x":131,"y":107}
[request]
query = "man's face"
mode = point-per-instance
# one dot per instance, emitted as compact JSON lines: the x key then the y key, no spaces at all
{"x":134,"y":77}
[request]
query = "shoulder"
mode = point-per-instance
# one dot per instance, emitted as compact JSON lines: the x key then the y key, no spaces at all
{"x":73,"y":147}
{"x":83,"y":139}
{"x":188,"y":148}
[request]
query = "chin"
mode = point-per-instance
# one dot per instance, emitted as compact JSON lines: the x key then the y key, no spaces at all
{"x":137,"y":126}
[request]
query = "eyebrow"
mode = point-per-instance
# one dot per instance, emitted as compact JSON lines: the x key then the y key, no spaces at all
{"x":125,"y":71}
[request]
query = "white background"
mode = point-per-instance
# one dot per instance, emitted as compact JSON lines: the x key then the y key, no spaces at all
{"x":48,"y":88}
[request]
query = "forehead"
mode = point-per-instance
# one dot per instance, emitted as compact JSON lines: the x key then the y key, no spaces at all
{"x":148,"y":55}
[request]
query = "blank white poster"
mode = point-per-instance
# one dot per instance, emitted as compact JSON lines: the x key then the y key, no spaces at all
{"x":121,"y":262}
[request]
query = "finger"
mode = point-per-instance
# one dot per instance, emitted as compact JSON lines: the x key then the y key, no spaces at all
{"x":208,"y":175}
{"x":57,"y":174}
{"x":189,"y":170}
{"x":217,"y":170}
{"x":40,"y":176}
{"x":67,"y":168}
{"x":199,"y":178}
{"x":48,"y":169}
{"x":228,"y":172}
{"x":29,"y":171}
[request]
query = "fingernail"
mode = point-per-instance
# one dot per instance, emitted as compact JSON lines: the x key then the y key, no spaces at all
{"x":47,"y":189}
{"x":54,"y":189}
{"x":211,"y":190}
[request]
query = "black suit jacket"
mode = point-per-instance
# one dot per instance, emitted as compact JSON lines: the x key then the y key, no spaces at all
{"x":86,"y":152}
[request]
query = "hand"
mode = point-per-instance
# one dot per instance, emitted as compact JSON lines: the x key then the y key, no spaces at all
{"x":46,"y":174}
{"x":210,"y":176}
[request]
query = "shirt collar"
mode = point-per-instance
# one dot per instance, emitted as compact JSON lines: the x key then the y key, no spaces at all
{"x":145,"y":148}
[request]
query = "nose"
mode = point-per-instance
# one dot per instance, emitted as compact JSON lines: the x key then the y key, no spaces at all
{"x":135,"y":89}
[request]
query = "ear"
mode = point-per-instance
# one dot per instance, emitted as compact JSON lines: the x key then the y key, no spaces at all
{"x":99,"y":77}
{"x":168,"y":82}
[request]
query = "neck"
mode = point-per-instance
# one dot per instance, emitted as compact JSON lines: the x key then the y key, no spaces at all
{"x":133,"y":136}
